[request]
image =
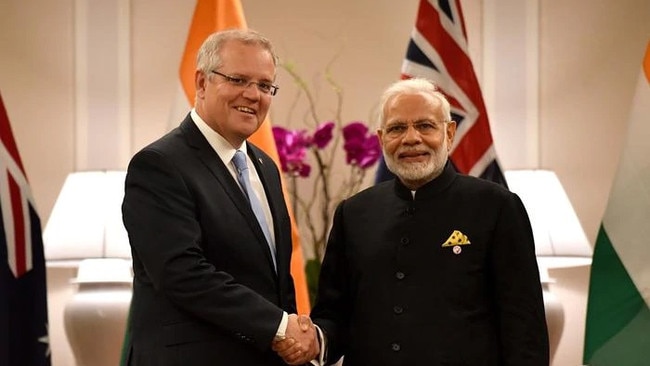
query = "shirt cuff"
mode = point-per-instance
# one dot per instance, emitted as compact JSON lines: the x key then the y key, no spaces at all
{"x":323,"y":343}
{"x":282,"y":328}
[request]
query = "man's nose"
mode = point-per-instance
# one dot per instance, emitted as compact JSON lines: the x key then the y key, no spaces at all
{"x":411,"y":136}
{"x":251,"y":91}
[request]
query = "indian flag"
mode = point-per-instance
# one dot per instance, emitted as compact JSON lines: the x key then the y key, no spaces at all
{"x":618,"y":316}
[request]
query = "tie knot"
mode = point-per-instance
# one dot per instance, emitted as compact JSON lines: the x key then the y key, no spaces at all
{"x":240,"y":161}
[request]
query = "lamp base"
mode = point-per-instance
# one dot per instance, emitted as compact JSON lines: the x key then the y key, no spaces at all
{"x":95,"y":319}
{"x":554,"y":318}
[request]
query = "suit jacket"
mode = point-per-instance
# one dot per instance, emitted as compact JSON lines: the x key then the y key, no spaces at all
{"x":205,"y":291}
{"x":391,"y":293}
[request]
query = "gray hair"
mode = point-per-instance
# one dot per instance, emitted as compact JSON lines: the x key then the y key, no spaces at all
{"x":209,"y":55}
{"x":411,"y":86}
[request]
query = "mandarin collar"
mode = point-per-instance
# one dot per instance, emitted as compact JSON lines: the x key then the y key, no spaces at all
{"x":430,"y":189}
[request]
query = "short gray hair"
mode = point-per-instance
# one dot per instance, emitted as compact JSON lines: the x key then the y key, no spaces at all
{"x":411,"y":86}
{"x":209,"y":55}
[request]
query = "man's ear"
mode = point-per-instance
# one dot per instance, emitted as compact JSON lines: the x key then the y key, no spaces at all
{"x":380,"y":133}
{"x":200,"y":81}
{"x":451,"y":133}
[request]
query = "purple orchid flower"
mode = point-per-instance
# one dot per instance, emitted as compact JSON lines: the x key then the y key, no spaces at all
{"x":361,"y":149}
{"x":292,"y":150}
{"x":323,"y":134}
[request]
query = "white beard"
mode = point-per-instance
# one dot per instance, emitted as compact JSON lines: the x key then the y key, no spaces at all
{"x":422,"y":172}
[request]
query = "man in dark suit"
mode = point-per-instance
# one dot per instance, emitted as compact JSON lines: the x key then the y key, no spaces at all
{"x":434,"y":267}
{"x":211,"y":240}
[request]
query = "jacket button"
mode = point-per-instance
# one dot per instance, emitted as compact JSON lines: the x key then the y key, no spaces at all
{"x":395,"y":347}
{"x":399,"y":275}
{"x":404,"y":240}
{"x":398,"y":309}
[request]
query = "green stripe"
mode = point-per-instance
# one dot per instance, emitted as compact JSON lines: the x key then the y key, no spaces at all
{"x":618,"y":318}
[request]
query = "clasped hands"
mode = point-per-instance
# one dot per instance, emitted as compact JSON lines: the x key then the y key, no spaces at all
{"x":300,"y":344}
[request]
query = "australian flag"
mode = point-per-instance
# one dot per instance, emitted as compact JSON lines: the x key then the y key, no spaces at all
{"x":437,"y":51}
{"x":24,"y":339}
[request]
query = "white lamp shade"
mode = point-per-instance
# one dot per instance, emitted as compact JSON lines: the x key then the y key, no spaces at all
{"x":104,"y":270}
{"x":86,"y":221}
{"x":560,"y":240}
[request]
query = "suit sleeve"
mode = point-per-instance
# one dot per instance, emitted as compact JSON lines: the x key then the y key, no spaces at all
{"x":519,"y":302}
{"x":332,"y":308}
{"x":160,"y":216}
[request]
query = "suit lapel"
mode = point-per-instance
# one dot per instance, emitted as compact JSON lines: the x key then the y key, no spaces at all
{"x":215,"y":165}
{"x":266,"y":170}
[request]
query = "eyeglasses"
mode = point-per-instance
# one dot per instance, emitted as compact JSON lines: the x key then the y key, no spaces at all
{"x":242,"y":82}
{"x":424,"y":128}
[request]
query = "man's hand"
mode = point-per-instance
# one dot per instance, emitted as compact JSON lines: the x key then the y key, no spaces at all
{"x":300,"y":344}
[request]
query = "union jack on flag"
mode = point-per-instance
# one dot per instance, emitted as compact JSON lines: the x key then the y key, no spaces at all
{"x":437,"y":51}
{"x":24,"y":337}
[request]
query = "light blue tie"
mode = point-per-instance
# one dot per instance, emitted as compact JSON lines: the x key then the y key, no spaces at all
{"x":244,"y":181}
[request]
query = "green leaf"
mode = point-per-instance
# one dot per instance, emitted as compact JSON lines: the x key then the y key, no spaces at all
{"x":312,"y":270}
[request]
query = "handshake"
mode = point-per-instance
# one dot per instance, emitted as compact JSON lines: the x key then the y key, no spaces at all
{"x":300,"y":344}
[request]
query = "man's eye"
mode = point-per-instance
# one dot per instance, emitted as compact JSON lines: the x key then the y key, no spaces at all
{"x":395,"y":129}
{"x":238,"y":81}
{"x":265,"y":87}
{"x":426,"y":126}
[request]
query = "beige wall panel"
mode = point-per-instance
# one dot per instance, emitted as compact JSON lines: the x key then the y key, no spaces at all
{"x":159,"y":31}
{"x":591,"y":54}
{"x":36,"y":82}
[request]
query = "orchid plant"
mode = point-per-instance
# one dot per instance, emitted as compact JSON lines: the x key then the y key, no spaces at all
{"x":312,"y":156}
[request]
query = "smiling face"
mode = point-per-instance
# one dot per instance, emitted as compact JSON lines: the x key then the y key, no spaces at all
{"x":415,"y":138}
{"x":235,"y":112}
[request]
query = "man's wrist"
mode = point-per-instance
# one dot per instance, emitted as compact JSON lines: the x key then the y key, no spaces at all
{"x":322,"y":342}
{"x":280,"y":334}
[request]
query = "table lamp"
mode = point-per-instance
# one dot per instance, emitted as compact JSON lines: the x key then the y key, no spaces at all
{"x":85,"y":230}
